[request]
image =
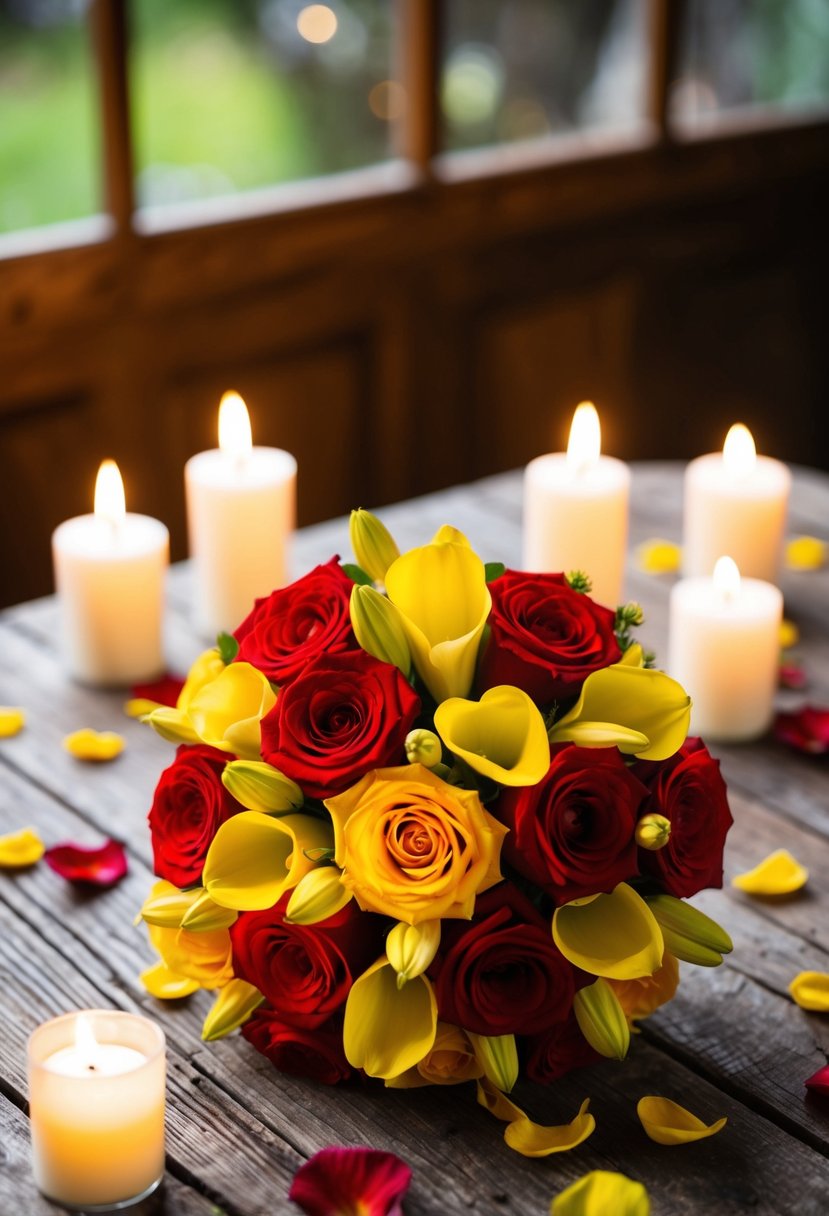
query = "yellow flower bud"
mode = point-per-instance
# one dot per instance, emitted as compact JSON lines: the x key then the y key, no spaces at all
{"x":411,"y":948}
{"x":688,"y":933}
{"x":317,"y":896}
{"x":260,"y":786}
{"x":205,"y":914}
{"x":378,"y":628}
{"x":423,"y":747}
{"x":653,"y":832}
{"x":233,"y":1006}
{"x":498,"y":1057}
{"x":373,"y":544}
{"x":170,"y":908}
{"x":602,"y":1020}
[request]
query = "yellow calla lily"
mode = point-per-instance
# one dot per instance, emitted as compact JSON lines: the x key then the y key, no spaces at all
{"x":388,"y":1029}
{"x":502,"y":736}
{"x":810,"y":990}
{"x":167,"y":985}
{"x":227,"y":713}
{"x":232,"y":1007}
{"x":20,"y":849}
{"x":778,"y":874}
{"x":441,"y":594}
{"x":615,"y":936}
{"x":666,"y":1122}
{"x":204,"y":670}
{"x":93,"y":745}
{"x":254,"y":858}
{"x":533,"y":1139}
{"x":639,"y":701}
{"x":601,"y":1192}
{"x":634,"y":656}
{"x":12,"y":721}
{"x":447,"y":534}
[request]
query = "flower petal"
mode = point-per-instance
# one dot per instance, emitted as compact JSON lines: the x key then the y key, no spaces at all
{"x":639,"y":700}
{"x":12,"y":721}
{"x":502,"y":736}
{"x":806,"y":553}
{"x":336,"y":1181}
{"x":19,"y":849}
{"x":388,"y":1029}
{"x":810,"y":990}
{"x":94,"y":745}
{"x":658,"y":556}
{"x":777,"y":874}
{"x":792,"y":675}
{"x":667,"y":1122}
{"x":165,"y":984}
{"x":805,"y":731}
{"x":601,"y":1192}
{"x":98,"y":865}
{"x":534,"y":1140}
{"x":614,"y":935}
{"x":819,"y":1081}
{"x":254,"y":858}
{"x":788,"y":634}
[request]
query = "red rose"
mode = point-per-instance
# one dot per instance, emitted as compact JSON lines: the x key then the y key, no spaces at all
{"x":573,"y":833}
{"x":344,"y":716}
{"x":688,"y":789}
{"x":291,"y":626}
{"x":501,"y":973}
{"x":304,"y":971}
{"x":189,"y":806}
{"x":545,"y":637}
{"x":317,"y":1054}
{"x":558,"y":1051}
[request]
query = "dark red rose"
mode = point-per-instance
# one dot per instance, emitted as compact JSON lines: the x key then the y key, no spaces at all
{"x":573,"y":833}
{"x":189,"y":806}
{"x":501,"y":972}
{"x":344,"y":716}
{"x":291,"y":626}
{"x":558,"y":1051}
{"x":688,"y":789}
{"x":304,"y":971}
{"x":317,"y":1054}
{"x":545,"y":637}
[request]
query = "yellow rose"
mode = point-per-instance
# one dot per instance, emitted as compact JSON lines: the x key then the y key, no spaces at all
{"x":412,"y":847}
{"x":450,"y":1061}
{"x":640,"y":997}
{"x":203,"y":956}
{"x":227,"y":712}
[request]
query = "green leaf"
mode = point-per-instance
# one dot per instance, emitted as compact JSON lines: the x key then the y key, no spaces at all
{"x":228,"y":647}
{"x":318,"y":854}
{"x":493,"y":570}
{"x":358,"y":575}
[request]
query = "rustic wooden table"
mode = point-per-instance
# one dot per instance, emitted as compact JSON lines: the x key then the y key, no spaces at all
{"x":731,"y":1043}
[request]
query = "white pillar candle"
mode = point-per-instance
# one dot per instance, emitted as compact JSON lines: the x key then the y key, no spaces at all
{"x":735,"y":502}
{"x":241,"y":508}
{"x":96,"y":1104}
{"x":109,"y":574}
{"x":724,"y":649}
{"x":576,"y":510}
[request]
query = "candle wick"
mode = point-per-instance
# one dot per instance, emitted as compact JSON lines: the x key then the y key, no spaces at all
{"x":91,"y":1067}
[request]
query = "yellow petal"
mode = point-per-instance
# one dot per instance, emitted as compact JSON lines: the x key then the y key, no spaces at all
{"x":667,"y":1122}
{"x":140,"y":707}
{"x":228,"y":711}
{"x":789,"y":634}
{"x":534,"y":1140}
{"x":614,"y":935}
{"x":658,"y":556}
{"x":805,"y":553}
{"x":19,"y":849}
{"x":600,"y":1193}
{"x":254,"y":858}
{"x":502,"y":736}
{"x":810,"y":990}
{"x":638,"y":699}
{"x":317,"y":895}
{"x":388,"y":1029}
{"x":12,"y":721}
{"x":446,"y":533}
{"x":497,"y":1103}
{"x":777,"y":874}
{"x":88,"y":744}
{"x":204,"y":670}
{"x":233,"y":1006}
{"x":165,"y":984}
{"x":634,"y":656}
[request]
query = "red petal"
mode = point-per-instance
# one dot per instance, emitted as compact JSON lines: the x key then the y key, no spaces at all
{"x":807,"y":730}
{"x":792,"y":675}
{"x":101,"y":865}
{"x":165,"y":690}
{"x":819,"y":1083}
{"x":337,"y":1180}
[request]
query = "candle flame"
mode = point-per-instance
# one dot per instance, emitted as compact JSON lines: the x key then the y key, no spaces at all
{"x":109,"y":493}
{"x":85,"y":1042}
{"x":739,"y":453}
{"x":234,"y":426}
{"x":727,"y":578}
{"x":585,"y":443}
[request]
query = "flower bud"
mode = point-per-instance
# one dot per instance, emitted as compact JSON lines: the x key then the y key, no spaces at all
{"x":653,"y":832}
{"x":205,"y":914}
{"x":373,"y":544}
{"x":498,"y":1057}
{"x":172,"y":724}
{"x":602,"y":1020}
{"x":688,"y":933}
{"x":423,"y":747}
{"x":233,"y":1006}
{"x":378,"y":629}
{"x":318,"y":895}
{"x":447,"y":535}
{"x":194,"y":909}
{"x":411,"y":948}
{"x":261,"y":787}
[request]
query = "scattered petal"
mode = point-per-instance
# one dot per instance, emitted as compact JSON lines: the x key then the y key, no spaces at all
{"x":165,"y":691}
{"x":337,"y":1181}
{"x":658,"y":556}
{"x":789,"y":634}
{"x":819,"y":1083}
{"x":667,"y":1122}
{"x":805,"y":731}
{"x":20,"y":849}
{"x":810,"y":990}
{"x":99,"y":865}
{"x":88,"y":744}
{"x":777,"y":874}
{"x":534,"y":1139}
{"x":792,"y":675}
{"x":12,"y":721}
{"x":165,"y":984}
{"x":601,"y":1192}
{"x":806,"y":553}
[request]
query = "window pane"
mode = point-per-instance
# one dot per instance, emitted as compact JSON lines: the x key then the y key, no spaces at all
{"x":520,"y":69}
{"x":229,"y":95}
{"x":752,"y":52}
{"x":48,"y":123}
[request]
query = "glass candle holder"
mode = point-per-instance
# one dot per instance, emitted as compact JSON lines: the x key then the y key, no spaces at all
{"x":96,"y":1097}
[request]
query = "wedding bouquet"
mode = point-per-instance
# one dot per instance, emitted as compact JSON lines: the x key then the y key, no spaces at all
{"x":432,"y":821}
